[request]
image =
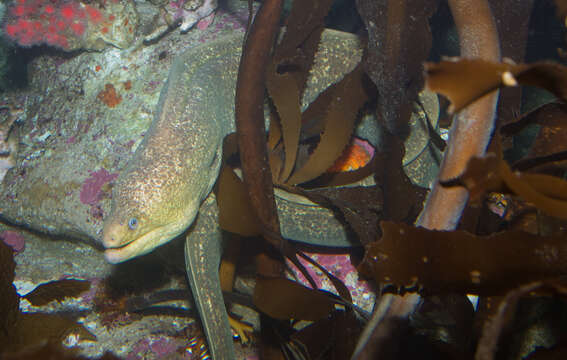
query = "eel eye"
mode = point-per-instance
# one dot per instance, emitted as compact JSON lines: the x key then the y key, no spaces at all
{"x":133,"y":223}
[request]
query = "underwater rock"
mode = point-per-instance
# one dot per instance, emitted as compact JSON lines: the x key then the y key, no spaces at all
{"x":184,"y":14}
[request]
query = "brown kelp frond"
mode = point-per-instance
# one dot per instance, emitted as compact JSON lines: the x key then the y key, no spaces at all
{"x":403,"y":200}
{"x":347,"y":98}
{"x":338,"y":284}
{"x":21,"y":331}
{"x":493,"y":174}
{"x":235,"y":210}
{"x":56,"y":290}
{"x":9,"y":301}
{"x":288,"y":71}
{"x":359,"y":207}
{"x":513,"y":20}
{"x":286,"y":299}
{"x":548,"y":151}
{"x":551,"y":114}
{"x":504,"y":311}
{"x":561,"y":9}
{"x":249,"y":116}
{"x":399,"y":42}
{"x":416,"y":258}
{"x":465,"y":80}
{"x":285,"y":95}
{"x":333,"y":337}
{"x":248,"y":207}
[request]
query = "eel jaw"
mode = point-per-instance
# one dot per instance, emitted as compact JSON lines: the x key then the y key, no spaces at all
{"x":117,"y":253}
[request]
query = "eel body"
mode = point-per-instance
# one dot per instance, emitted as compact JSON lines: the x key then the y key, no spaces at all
{"x":158,"y":195}
{"x":175,"y":167}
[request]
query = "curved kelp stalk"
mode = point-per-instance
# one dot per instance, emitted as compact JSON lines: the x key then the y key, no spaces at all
{"x":249,"y":112}
{"x":472,"y":127}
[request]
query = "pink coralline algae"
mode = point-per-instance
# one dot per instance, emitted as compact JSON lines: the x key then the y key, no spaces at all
{"x":339,"y":265}
{"x":205,"y":22}
{"x":156,"y":347}
{"x":91,"y":191}
{"x":185,"y":14}
{"x":13,"y":239}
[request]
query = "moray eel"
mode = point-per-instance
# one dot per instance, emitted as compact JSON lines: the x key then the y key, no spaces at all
{"x":158,"y":195}
{"x":175,"y":167}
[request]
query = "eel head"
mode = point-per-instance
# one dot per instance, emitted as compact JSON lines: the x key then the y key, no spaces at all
{"x":129,"y":236}
{"x":144,"y":215}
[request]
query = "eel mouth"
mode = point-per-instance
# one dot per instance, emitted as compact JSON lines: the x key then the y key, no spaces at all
{"x":139,"y":246}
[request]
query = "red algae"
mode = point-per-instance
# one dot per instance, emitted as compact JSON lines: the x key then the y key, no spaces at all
{"x":13,"y":239}
{"x":109,"y":96}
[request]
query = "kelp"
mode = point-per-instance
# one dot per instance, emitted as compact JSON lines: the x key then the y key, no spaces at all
{"x":249,"y":99}
{"x":331,"y":338}
{"x":9,"y":301}
{"x":358,"y":207}
{"x":407,"y":257}
{"x":236,"y":214}
{"x":349,"y":96}
{"x":36,"y":328}
{"x":463,"y":81}
{"x":399,"y":40}
{"x":413,"y":258}
{"x":331,"y":117}
{"x":512,"y":20}
{"x":288,"y":72}
{"x":403,"y":200}
{"x":56,"y":290}
{"x":388,"y":328}
{"x":23,"y":331}
{"x":448,"y":322}
{"x":250,"y":117}
{"x":561,"y":10}
{"x":505,"y":310}
{"x":295,"y":301}
{"x":285,"y":80}
{"x":492,"y":174}
{"x":472,"y":128}
{"x":549,"y":149}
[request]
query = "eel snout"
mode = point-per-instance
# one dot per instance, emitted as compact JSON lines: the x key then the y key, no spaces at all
{"x":111,"y":237}
{"x":115,"y":242}
{"x":123,"y":243}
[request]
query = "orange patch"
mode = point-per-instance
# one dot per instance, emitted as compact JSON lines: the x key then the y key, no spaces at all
{"x":127,"y":85}
{"x":109,"y":96}
{"x":354,"y":157}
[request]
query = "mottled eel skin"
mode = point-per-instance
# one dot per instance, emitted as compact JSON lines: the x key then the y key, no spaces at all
{"x":172,"y":172}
